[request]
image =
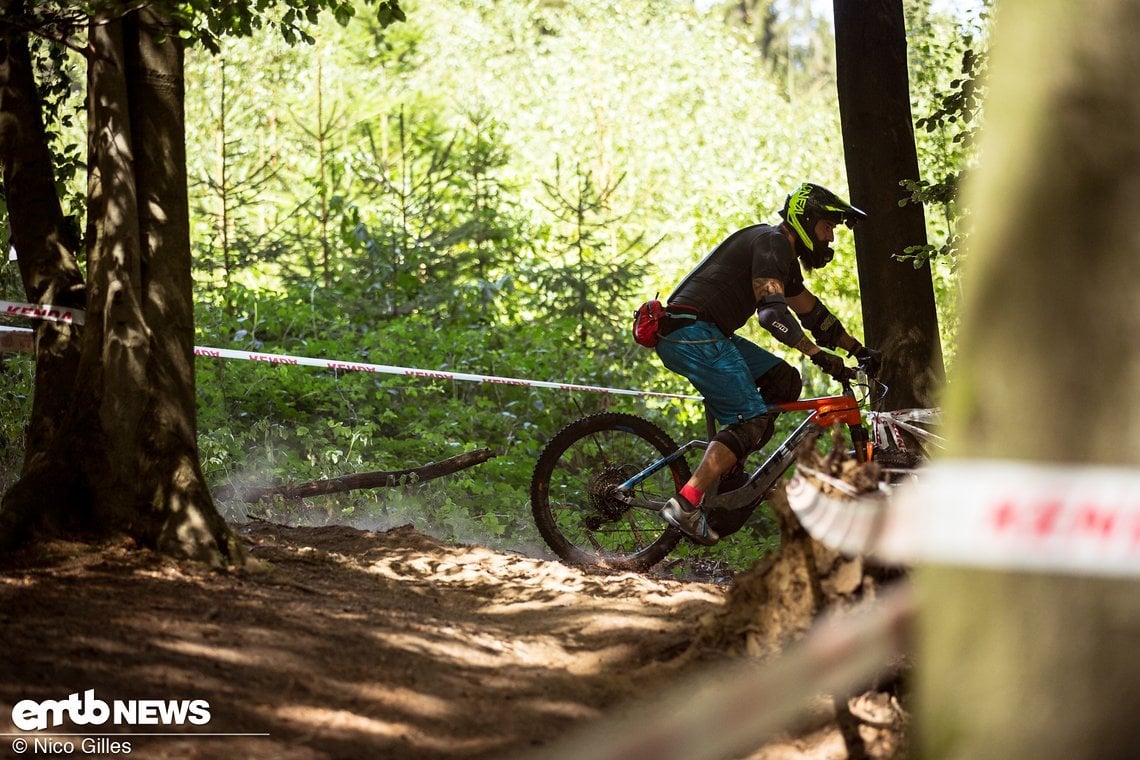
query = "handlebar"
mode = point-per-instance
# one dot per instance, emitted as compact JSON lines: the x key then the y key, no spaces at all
{"x":865,"y":378}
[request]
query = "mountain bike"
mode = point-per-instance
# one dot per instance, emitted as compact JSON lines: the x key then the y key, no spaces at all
{"x":600,"y":483}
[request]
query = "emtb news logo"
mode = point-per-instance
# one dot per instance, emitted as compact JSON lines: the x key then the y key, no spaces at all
{"x":88,"y":710}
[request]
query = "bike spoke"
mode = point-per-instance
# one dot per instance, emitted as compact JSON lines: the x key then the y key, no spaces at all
{"x":574,"y":493}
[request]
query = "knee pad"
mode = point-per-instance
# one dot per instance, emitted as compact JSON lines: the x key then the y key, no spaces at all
{"x":746,"y":436}
{"x":780,"y":384}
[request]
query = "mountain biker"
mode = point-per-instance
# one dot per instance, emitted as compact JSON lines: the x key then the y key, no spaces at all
{"x":756,"y":269}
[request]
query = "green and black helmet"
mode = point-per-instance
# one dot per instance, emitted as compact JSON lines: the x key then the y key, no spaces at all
{"x":806,"y":206}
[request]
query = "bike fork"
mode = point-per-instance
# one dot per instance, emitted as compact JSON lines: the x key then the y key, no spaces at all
{"x":862,"y":443}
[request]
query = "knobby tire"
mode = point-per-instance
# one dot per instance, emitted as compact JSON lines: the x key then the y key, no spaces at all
{"x":570,"y":492}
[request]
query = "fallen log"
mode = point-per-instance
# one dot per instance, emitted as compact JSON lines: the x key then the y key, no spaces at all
{"x":356,"y":481}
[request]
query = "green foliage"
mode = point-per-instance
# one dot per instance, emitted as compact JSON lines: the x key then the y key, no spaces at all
{"x":951,"y":65}
{"x":489,"y":187}
{"x":208,"y":22}
{"x":16,"y":375}
{"x":205,"y":22}
{"x":590,"y":265}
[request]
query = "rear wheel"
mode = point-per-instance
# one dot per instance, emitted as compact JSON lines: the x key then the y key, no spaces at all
{"x":575,"y":504}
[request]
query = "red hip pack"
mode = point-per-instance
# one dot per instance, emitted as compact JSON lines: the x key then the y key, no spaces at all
{"x":653,"y":319}
{"x":647,"y":323}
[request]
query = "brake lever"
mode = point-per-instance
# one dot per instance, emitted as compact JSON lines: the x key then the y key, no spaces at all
{"x":871,"y":383}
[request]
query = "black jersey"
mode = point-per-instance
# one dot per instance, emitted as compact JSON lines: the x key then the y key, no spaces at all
{"x":721,"y":285}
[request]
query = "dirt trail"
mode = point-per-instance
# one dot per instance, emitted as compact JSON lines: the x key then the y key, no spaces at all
{"x":342,"y":643}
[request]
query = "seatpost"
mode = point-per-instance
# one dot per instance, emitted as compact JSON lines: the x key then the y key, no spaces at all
{"x":710,"y":422}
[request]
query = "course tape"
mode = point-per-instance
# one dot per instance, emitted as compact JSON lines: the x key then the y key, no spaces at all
{"x":74,"y":316}
{"x":45,"y":312}
{"x":225,"y":353}
{"x":1031,"y":516}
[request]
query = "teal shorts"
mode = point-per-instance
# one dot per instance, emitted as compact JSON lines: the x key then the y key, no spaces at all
{"x":724,"y":370}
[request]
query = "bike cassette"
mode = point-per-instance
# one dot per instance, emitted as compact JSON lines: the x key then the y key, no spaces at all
{"x":602,"y":490}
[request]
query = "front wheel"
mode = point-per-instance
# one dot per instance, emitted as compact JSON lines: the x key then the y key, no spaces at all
{"x":574,"y":499}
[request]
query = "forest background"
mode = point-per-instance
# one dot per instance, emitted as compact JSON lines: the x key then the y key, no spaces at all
{"x":491,"y":188}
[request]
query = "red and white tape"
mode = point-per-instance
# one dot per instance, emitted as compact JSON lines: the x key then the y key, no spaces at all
{"x":226,"y":353}
{"x":1028,"y":515}
{"x":43,"y":312}
{"x":74,"y":316}
{"x":1033,"y":516}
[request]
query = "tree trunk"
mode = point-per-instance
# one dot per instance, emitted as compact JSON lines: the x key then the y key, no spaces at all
{"x":1018,"y":664}
{"x":113,"y":385}
{"x":899,"y":315}
{"x":45,"y":249}
{"x":172,"y":483}
{"x":125,"y":456}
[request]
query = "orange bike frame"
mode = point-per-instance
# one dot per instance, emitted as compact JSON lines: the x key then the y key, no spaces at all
{"x":829,"y":409}
{"x":823,"y":412}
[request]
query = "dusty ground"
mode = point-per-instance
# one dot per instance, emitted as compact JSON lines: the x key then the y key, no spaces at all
{"x":346,"y":644}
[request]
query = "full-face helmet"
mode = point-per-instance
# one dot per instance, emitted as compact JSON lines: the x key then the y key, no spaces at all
{"x":808,"y":204}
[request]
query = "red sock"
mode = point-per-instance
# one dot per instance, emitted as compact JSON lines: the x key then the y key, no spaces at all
{"x":693,"y":495}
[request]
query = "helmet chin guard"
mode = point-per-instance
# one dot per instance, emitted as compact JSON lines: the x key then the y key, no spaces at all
{"x":806,"y":206}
